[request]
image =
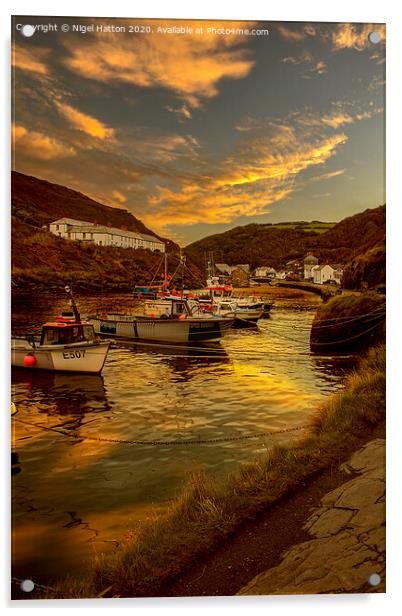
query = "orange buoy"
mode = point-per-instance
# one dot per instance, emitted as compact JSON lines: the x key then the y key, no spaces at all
{"x":29,"y":360}
{"x":182,"y":317}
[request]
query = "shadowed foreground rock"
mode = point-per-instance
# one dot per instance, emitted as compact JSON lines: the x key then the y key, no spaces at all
{"x":348,"y":537}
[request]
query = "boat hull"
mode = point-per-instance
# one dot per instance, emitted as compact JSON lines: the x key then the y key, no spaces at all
{"x":163,"y":330}
{"x":86,"y":358}
{"x":249,"y":315}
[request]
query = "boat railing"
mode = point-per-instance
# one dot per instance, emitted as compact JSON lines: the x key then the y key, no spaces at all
{"x":33,"y":339}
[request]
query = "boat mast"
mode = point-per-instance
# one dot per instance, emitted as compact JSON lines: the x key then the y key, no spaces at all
{"x":73,"y":304}
{"x":183,"y":263}
{"x":165,"y":284}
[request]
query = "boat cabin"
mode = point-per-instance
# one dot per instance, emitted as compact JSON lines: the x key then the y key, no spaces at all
{"x":66,"y":331}
{"x":228,"y":306}
{"x":218,"y":292}
{"x":170,"y":308}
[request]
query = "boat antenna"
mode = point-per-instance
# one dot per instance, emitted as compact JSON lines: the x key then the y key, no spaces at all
{"x":73,"y":304}
{"x":183,"y":263}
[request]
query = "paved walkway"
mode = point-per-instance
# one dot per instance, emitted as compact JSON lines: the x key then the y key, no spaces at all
{"x":348,"y":537}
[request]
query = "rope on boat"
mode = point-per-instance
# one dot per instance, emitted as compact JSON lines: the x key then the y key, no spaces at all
{"x":162,"y":443}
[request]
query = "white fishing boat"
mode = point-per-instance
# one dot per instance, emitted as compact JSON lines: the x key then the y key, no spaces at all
{"x":216,"y":293}
{"x":171,"y":319}
{"x":243,"y":314}
{"x":67,"y":344}
{"x":252,"y":302}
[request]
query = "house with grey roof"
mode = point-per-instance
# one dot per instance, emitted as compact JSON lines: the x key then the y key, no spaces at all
{"x":323,"y":273}
{"x":102,"y":235}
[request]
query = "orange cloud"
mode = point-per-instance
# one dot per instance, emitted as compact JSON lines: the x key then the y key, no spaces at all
{"x":38,"y":145}
{"x":86,"y":123}
{"x":304,"y":57}
{"x":262,"y":171}
{"x":327,"y":176}
{"x":29,"y":60}
{"x":189,"y":64}
{"x":355,"y":36}
{"x":339,"y":36}
{"x":157,"y":149}
{"x":279,"y":163}
{"x":119,"y":197}
{"x":316,"y":67}
{"x":320,"y":68}
{"x":183,"y":113}
{"x":337,"y":118}
{"x":195,"y":204}
{"x":296,"y":36}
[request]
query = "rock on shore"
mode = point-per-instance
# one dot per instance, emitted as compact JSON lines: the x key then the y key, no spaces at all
{"x":348,"y":537}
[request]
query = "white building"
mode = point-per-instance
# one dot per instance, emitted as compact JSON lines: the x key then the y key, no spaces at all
{"x":265,"y":272}
{"x":323,"y":273}
{"x":338,"y":275}
{"x":80,"y":230}
{"x":309,"y":263}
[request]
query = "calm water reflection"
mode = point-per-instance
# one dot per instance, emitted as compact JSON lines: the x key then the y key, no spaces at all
{"x":80,"y":489}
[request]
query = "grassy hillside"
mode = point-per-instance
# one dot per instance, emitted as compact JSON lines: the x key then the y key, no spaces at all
{"x":357,"y":239}
{"x":367,"y":270}
{"x":349,"y":323}
{"x":37,"y":202}
{"x":40,"y":259}
{"x":255,"y":244}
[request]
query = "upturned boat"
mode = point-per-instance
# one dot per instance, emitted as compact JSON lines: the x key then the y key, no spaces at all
{"x":67,"y":344}
{"x":170,"y":319}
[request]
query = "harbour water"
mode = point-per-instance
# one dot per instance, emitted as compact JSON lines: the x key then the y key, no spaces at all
{"x":98,"y":455}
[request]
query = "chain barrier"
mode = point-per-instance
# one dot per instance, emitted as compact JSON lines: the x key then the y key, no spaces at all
{"x":227,"y":439}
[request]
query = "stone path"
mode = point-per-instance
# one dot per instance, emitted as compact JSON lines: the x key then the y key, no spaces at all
{"x":348,"y":537}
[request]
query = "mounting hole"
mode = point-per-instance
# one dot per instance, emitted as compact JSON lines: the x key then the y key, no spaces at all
{"x":27,"y":30}
{"x":374,"y":579}
{"x":27,"y":585}
{"x":374,"y":37}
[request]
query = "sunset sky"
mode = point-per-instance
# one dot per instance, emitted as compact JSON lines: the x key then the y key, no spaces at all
{"x":198,"y":133}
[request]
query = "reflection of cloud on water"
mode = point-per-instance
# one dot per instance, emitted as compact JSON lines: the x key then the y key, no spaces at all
{"x":52,"y":406}
{"x":266,"y":380}
{"x":184,"y":360}
{"x":58,"y":393}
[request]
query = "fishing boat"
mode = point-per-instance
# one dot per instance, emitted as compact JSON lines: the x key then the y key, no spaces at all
{"x":218,"y":293}
{"x":171,"y":319}
{"x":67,"y":344}
{"x":244,"y":314}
